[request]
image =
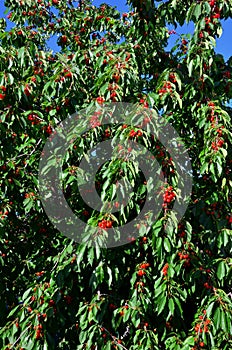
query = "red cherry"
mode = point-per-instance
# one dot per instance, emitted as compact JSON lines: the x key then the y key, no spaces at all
{"x":100,"y":100}
{"x":48,"y":130}
{"x":68,"y":75}
{"x":109,"y":224}
{"x":141,"y":273}
{"x":64,"y":39}
{"x":27,"y":90}
{"x":132,"y":133}
{"x":51,"y":302}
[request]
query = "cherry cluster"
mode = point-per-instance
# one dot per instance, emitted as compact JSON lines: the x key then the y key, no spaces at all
{"x":38,"y":70}
{"x":209,"y":21}
{"x":181,"y":230}
{"x":165,"y":269}
{"x":217,"y":144}
{"x":142,"y":267}
{"x":94,"y":120}
{"x":185,"y":257}
{"x":39,"y":332}
{"x":105,"y":224}
{"x":34,"y":119}
{"x":203,"y":326}
{"x":112,"y":88}
{"x":134,"y":133}
{"x":167,"y":88}
{"x":2,"y":94}
{"x":143,"y":102}
{"x":213,"y":118}
{"x":168,"y":196}
{"x":48,"y":129}
{"x":172,"y":78}
{"x":107,"y":134}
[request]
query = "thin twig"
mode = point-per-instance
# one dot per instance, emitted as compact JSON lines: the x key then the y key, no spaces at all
{"x":16,"y":341}
{"x":25,"y":154}
{"x":57,"y":262}
{"x":34,"y":149}
{"x":115,"y":339}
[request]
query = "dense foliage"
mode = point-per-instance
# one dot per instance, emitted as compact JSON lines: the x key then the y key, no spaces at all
{"x":167,"y":289}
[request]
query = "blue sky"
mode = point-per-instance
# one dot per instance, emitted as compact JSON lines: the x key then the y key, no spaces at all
{"x":223,"y":45}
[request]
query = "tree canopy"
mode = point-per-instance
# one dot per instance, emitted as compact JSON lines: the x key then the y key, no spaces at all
{"x":169,"y":287}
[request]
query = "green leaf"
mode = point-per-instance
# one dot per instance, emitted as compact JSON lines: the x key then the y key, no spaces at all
{"x":21,"y":52}
{"x":80,"y":253}
{"x":177,"y":302}
{"x":219,"y":168}
{"x":197,"y":10}
{"x":221,"y":270}
{"x":108,"y":346}
{"x":10,"y":78}
{"x":211,"y":340}
{"x":217,"y":317}
{"x":223,"y":151}
{"x":110,"y":275}
{"x":224,"y":322}
{"x":190,"y":67}
{"x":190,"y":12}
{"x":209,"y":309}
{"x":190,"y":341}
{"x":223,"y":182}
{"x":161,"y":302}
{"x":12,"y":312}
{"x":204,"y":168}
{"x":171,"y":305}
{"x":167,"y":245}
{"x":26,"y":294}
{"x":82,"y":337}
